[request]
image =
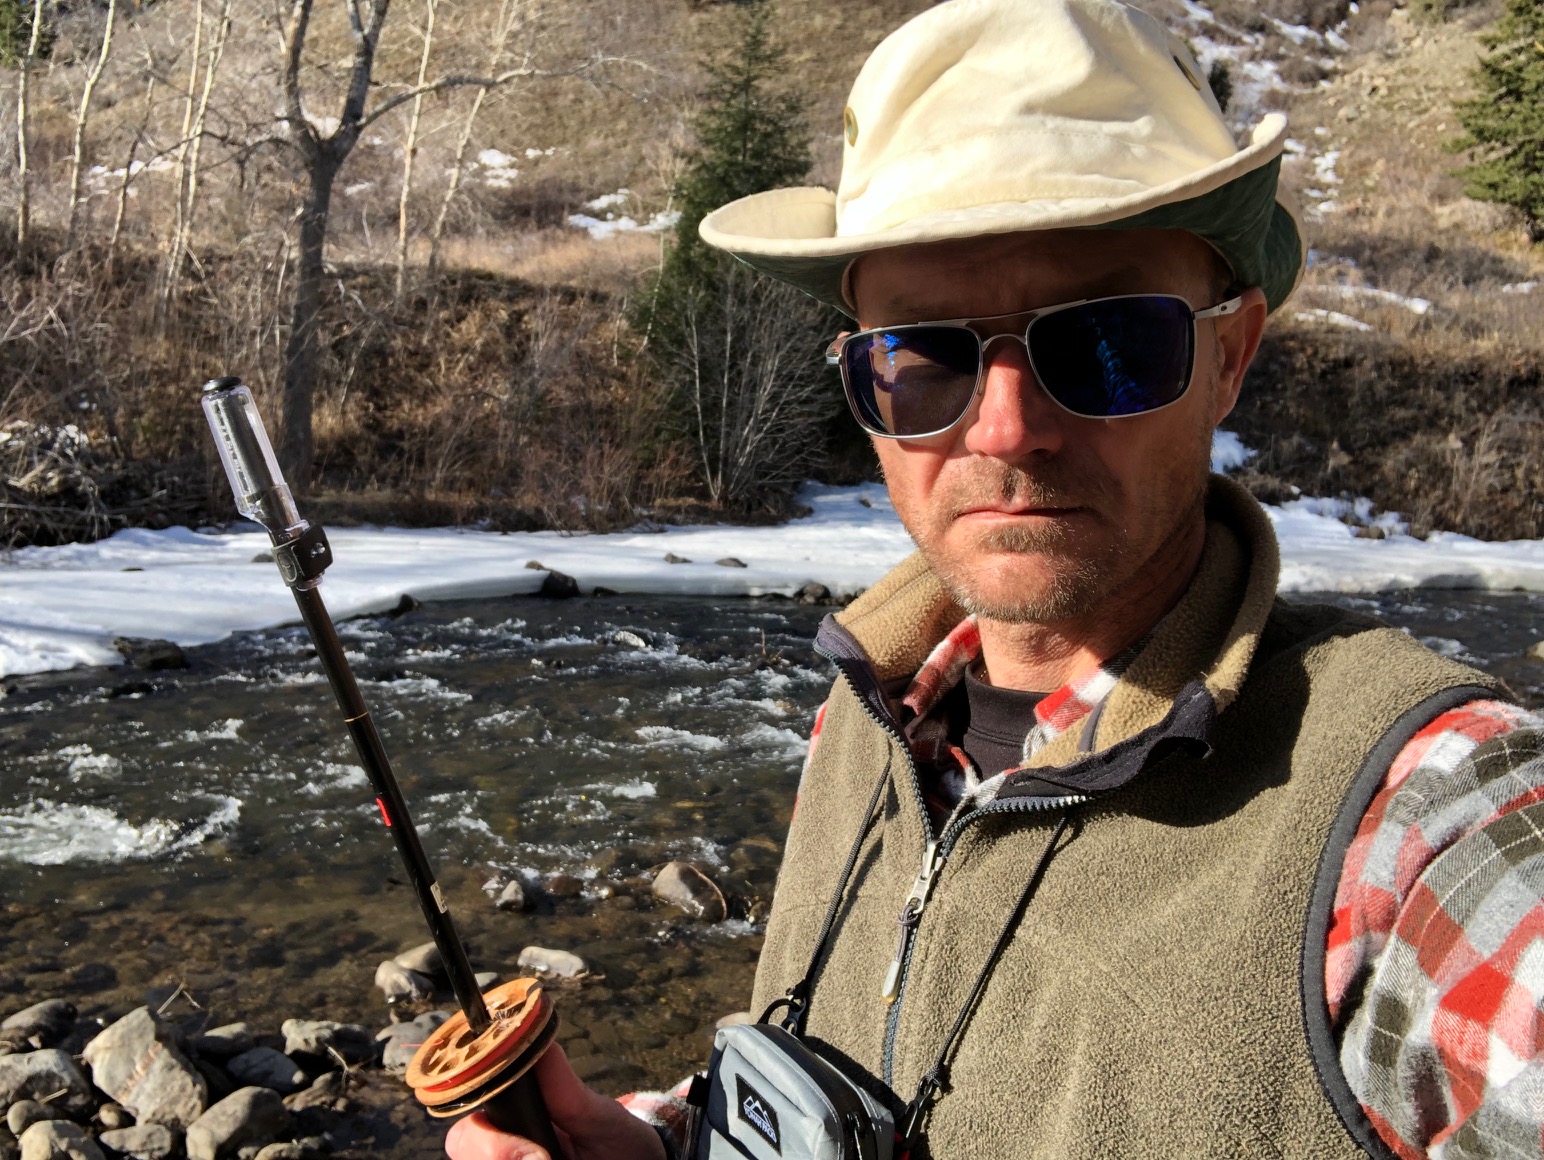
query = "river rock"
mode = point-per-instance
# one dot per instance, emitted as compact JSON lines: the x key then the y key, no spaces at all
{"x":424,"y":958}
{"x":485,"y":979}
{"x":142,"y":1142}
{"x":1535,"y":651}
{"x":217,"y":1080}
{"x":813,"y":593}
{"x":250,"y":1115}
{"x":14,"y":1043}
{"x":562,"y":964}
{"x":47,"y":1022}
{"x":150,"y":654}
{"x":565,"y":886}
{"x":558,"y":586}
{"x":400,"y":985}
{"x":37,"y":1075}
{"x":24,"y":1113}
{"x":322,"y":1037}
{"x":401,"y":1041}
{"x":672,"y":558}
{"x":683,"y":885}
{"x":288,"y":1150}
{"x":226,"y":1042}
{"x":136,"y":1061}
{"x":113,"y":1116}
{"x":329,"y":1090}
{"x":731,"y":562}
{"x":265,"y":1067}
{"x":512,"y":897}
{"x":58,"y":1140}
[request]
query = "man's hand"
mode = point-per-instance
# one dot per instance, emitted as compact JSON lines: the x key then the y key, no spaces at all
{"x":590,"y":1126}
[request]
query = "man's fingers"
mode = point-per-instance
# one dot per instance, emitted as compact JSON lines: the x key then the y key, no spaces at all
{"x":569,"y":1102}
{"x":473,"y":1138}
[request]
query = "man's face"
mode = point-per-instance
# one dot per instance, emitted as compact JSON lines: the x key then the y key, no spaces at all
{"x":1029,"y":513}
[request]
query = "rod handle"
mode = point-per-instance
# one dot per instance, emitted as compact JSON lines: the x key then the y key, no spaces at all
{"x":520,"y":1110}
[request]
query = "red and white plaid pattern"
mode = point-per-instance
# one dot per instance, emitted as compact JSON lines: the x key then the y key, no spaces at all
{"x":1435,"y":968}
{"x":927,"y":733}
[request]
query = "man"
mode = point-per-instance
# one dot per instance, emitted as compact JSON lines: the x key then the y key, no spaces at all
{"x":1119,"y":855}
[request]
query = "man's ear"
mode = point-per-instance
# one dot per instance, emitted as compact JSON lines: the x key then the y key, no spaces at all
{"x":1238,"y":337}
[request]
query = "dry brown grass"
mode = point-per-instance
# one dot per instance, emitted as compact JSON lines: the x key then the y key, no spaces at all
{"x":1435,"y":414}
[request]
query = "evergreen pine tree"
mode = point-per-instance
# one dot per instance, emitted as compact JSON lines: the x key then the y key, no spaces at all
{"x":740,"y":353}
{"x":751,"y":136}
{"x":1505,"y":123}
{"x":16,"y":32}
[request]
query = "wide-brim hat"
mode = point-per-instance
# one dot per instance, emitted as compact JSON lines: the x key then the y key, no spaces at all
{"x":982,"y":117}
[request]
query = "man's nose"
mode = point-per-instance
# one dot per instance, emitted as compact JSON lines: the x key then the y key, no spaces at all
{"x":1014,"y":417}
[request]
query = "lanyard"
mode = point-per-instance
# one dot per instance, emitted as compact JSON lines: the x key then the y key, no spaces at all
{"x":936,"y":1080}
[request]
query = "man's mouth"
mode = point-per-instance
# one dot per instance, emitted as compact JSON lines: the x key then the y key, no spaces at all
{"x":990,"y":511}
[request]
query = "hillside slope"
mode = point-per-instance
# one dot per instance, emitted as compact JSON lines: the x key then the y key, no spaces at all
{"x":1406,"y":369}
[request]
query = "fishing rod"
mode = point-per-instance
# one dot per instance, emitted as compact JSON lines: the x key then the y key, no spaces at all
{"x":481,"y":1057}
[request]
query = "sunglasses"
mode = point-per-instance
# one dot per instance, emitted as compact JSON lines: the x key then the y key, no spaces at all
{"x":1101,"y":358}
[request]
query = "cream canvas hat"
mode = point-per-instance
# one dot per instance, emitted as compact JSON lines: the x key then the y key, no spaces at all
{"x":983,"y":117}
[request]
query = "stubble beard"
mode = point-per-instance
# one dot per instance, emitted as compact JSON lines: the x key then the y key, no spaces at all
{"x":1069,"y":576}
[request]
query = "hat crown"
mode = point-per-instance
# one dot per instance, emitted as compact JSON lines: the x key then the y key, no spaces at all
{"x":985,"y":102}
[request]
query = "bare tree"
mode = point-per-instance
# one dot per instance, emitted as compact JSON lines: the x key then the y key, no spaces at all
{"x":410,"y":149}
{"x":756,"y":386}
{"x":23,"y":174}
{"x":128,"y":165}
{"x":322,"y":156}
{"x":184,"y":143}
{"x":82,"y":116}
{"x":503,"y":23}
{"x":192,"y":153}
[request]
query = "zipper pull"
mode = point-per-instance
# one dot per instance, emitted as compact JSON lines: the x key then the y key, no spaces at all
{"x":910,"y":916}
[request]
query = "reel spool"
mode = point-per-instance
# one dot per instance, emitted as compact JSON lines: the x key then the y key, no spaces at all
{"x":459,"y":1070}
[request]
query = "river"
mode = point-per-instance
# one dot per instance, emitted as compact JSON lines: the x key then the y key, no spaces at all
{"x":209,"y":828}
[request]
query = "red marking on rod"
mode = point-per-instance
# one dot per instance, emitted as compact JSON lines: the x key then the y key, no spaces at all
{"x":385,"y":817}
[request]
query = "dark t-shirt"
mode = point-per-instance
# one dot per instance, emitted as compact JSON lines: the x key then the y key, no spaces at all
{"x":990,"y":725}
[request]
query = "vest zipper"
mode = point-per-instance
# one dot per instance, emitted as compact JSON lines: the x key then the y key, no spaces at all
{"x":856,"y":671}
{"x":936,"y":854}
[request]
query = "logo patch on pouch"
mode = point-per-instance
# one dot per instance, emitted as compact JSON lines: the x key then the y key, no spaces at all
{"x":758,"y":1113}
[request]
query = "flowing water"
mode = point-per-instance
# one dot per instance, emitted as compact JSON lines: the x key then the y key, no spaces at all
{"x":209,"y":827}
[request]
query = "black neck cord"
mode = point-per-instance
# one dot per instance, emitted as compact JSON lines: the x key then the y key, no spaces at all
{"x":936,"y":1080}
{"x":796,"y":999}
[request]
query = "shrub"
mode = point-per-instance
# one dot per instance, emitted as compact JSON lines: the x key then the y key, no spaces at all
{"x":1505,"y":123}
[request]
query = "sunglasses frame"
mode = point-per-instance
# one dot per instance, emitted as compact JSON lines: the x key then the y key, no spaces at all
{"x":838,"y":346}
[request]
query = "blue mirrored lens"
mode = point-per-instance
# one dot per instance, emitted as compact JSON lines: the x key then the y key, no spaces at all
{"x":912,"y":380}
{"x":1121,"y":356}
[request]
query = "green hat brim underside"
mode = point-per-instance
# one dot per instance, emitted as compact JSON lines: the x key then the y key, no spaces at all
{"x":1242,"y":220}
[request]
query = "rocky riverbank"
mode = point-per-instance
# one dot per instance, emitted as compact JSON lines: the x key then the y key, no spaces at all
{"x":87,"y":1074}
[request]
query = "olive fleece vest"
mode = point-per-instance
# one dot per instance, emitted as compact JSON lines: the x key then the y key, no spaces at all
{"x":1150,"y":1003}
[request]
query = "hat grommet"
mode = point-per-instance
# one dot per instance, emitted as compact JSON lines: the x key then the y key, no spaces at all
{"x":850,"y":125}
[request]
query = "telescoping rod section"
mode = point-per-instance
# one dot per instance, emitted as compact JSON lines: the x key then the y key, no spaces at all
{"x":302,"y":554}
{"x":367,"y":742}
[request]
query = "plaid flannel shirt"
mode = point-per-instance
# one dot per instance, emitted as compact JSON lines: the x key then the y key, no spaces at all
{"x":1435,"y":953}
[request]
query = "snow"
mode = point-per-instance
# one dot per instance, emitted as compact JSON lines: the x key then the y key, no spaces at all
{"x":1229,"y":452}
{"x":610,"y":224}
{"x":494,"y":159}
{"x":1414,"y":305}
{"x":1332,"y":317}
{"x":62,"y":606}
